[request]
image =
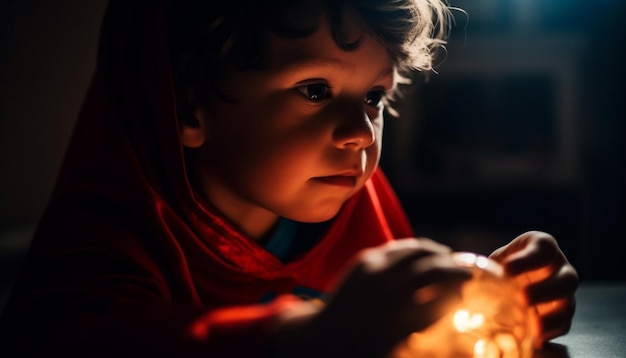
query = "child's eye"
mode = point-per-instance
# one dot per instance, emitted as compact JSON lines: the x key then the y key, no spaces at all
{"x":315,"y":92}
{"x":373,"y":98}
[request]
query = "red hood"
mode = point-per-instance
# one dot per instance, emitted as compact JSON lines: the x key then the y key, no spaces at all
{"x":123,"y":228}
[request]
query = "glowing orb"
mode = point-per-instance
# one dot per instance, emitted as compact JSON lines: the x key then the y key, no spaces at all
{"x":493,"y":320}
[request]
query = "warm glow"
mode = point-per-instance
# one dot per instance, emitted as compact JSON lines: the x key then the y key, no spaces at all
{"x":501,"y":346}
{"x":492,"y":321}
{"x":479,"y":348}
{"x":464,"y":321}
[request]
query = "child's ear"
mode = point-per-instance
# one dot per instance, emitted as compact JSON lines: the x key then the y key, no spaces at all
{"x":193,"y":129}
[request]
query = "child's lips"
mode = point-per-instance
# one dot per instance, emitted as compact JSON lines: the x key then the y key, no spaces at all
{"x":338,"y":180}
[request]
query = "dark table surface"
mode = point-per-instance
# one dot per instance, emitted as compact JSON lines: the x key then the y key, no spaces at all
{"x":599,"y":326}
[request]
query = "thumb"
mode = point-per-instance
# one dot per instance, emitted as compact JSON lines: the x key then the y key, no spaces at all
{"x":516,"y":245}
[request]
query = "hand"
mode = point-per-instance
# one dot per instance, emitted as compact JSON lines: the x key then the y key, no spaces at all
{"x":389,"y":292}
{"x":549,"y":280}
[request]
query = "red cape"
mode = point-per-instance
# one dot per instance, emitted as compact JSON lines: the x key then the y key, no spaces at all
{"x":126,"y":260}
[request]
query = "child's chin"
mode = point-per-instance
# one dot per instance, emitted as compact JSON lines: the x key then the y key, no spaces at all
{"x":316,"y":216}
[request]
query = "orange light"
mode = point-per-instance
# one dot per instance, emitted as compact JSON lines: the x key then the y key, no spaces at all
{"x":464,"y":321}
{"x":492,"y":321}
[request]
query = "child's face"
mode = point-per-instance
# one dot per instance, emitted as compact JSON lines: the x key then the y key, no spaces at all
{"x":303,"y":135}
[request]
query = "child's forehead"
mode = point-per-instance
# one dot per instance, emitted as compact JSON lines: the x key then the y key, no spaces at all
{"x":319,"y":55}
{"x":319,"y":51}
{"x":321,"y":48}
{"x":349,"y":25}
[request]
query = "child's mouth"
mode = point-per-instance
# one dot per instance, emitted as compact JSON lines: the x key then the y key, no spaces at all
{"x":338,"y":180}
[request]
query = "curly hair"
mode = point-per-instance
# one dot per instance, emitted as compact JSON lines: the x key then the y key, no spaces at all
{"x":208,"y":37}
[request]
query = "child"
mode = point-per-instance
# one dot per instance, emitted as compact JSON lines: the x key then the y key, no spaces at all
{"x":221,"y":197}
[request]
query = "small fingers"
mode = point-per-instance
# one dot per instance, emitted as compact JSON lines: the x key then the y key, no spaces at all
{"x":399,"y":253}
{"x":540,"y":251}
{"x":562,"y":284}
{"x":437,"y":288}
{"x":535,"y":259}
{"x":439,"y":269}
{"x":515,"y":245}
{"x":431,"y":303}
{"x":555,"y":319}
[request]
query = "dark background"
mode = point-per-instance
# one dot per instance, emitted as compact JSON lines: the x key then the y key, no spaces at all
{"x":522,"y":128}
{"x":47,"y":56}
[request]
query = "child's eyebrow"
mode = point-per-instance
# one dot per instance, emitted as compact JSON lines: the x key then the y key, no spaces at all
{"x":302,"y":64}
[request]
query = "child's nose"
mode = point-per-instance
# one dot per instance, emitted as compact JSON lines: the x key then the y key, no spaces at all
{"x":354,"y":129}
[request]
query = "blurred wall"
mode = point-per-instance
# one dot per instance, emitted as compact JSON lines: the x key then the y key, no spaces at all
{"x":46,"y":62}
{"x":521,"y":129}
